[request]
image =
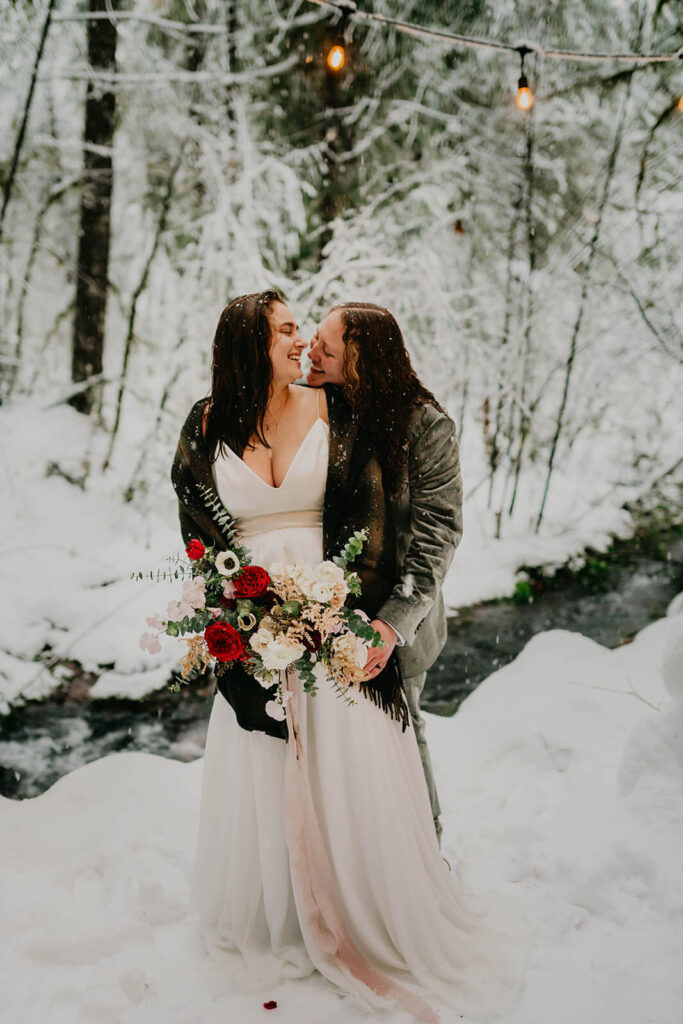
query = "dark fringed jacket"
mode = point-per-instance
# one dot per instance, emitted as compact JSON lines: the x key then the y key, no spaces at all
{"x":354,"y":500}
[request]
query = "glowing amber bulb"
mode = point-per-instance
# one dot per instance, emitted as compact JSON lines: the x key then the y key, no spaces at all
{"x":524,"y":96}
{"x":680,"y":104}
{"x":336,"y":58}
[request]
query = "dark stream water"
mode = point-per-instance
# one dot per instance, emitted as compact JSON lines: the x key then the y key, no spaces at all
{"x":616,"y":596}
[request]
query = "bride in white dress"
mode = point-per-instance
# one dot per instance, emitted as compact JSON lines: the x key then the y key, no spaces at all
{"x":321,"y":854}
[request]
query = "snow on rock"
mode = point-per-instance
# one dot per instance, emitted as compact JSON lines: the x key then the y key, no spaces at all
{"x":560,"y":780}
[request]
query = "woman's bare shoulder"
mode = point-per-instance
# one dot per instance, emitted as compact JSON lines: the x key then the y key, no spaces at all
{"x":313,"y":400}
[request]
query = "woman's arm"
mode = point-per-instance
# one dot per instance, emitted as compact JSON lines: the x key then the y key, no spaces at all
{"x":191,"y":468}
{"x":435,"y":525}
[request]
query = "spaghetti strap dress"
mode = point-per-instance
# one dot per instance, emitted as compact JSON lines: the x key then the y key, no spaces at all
{"x":319,"y":853}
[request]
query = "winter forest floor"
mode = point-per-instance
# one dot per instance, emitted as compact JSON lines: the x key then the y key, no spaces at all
{"x":559,"y":777}
{"x":560,"y":783}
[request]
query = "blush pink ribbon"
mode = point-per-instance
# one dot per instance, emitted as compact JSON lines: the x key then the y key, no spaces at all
{"x":314,"y":879}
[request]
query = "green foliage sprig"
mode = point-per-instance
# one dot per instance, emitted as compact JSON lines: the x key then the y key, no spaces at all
{"x":358,"y":625}
{"x":305,"y":666}
{"x":224,"y":520}
{"x":181,"y":572}
{"x":352,"y":548}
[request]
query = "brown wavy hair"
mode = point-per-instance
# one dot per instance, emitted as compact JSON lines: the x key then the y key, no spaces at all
{"x":381,"y":385}
{"x":241,"y":373}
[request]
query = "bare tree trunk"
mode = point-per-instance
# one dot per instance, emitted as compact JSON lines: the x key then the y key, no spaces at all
{"x":231,"y":55}
{"x":668,"y":111}
{"x":11,"y":174}
{"x":592,"y":249}
{"x":142,"y":284}
{"x":492,"y":442}
{"x":332,"y":127}
{"x":524,"y":418}
{"x":55,"y":193}
{"x":338,"y":142}
{"x":92,"y":280}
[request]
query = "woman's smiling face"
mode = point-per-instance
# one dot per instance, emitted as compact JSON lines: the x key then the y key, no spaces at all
{"x":327,"y":352}
{"x":286,"y":344}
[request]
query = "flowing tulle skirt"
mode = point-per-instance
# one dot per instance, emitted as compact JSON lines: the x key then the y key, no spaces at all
{"x":320,"y":853}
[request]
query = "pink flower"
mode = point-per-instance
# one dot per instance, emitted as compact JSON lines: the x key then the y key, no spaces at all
{"x":228,"y":589}
{"x":155,"y":621}
{"x":177,"y":610}
{"x":194,"y":592}
{"x":149,"y":643}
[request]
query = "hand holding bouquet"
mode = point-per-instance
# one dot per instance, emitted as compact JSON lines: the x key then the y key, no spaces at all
{"x":294,"y":616}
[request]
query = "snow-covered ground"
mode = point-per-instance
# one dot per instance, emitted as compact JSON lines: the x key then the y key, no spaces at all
{"x":560,"y":779}
{"x":67,"y":552}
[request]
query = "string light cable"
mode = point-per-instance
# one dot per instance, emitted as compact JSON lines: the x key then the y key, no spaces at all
{"x":348,"y":9}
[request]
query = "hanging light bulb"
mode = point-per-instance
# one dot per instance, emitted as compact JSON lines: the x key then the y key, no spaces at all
{"x":336,"y":57}
{"x":680,"y":104}
{"x":524,"y":99}
{"x":524,"y":95}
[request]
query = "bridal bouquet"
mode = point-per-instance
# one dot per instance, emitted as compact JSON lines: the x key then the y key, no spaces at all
{"x":232,"y":611}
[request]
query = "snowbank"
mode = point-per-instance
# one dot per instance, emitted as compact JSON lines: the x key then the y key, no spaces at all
{"x":560,"y":779}
{"x":67,"y":554}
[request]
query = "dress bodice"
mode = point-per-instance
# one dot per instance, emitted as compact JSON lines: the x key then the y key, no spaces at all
{"x":259,"y":507}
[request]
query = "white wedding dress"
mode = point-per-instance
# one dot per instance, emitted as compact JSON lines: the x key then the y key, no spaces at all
{"x":329,"y":860}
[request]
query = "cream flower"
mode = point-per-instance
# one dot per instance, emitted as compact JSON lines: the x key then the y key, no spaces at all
{"x":266,"y":678}
{"x":275,"y":710}
{"x":323,"y":592}
{"x":340,"y":590}
{"x":351,"y":648}
{"x":227,"y":563}
{"x":261,"y":640}
{"x":328,"y":572}
{"x":281,"y":653}
{"x":247,"y":622}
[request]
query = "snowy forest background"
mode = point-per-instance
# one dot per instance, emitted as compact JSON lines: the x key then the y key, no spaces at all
{"x":176,"y":154}
{"x":158,"y":160}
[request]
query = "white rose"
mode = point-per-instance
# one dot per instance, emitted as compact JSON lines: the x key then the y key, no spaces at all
{"x":302,"y":574}
{"x":279,"y":654}
{"x":275,"y":710}
{"x":328,"y":572}
{"x":261,"y":640}
{"x":323,"y":592}
{"x":352,"y":648}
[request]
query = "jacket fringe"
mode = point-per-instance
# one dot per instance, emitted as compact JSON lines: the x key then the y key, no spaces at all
{"x":386,"y":691}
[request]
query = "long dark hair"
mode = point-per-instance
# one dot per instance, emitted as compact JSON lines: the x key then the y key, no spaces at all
{"x":241,"y":373}
{"x":381,"y":385}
